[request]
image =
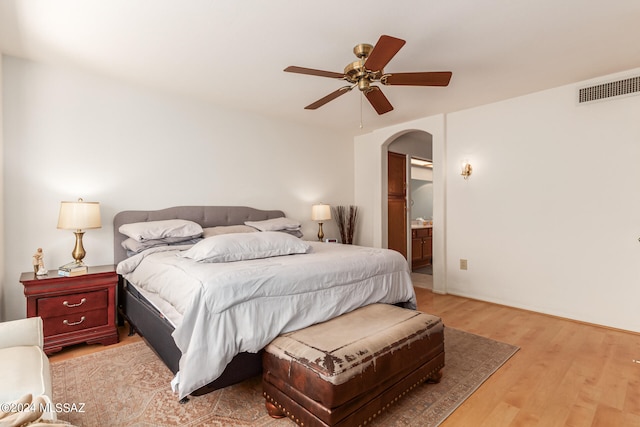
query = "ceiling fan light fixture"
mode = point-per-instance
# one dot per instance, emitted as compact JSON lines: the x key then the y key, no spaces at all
{"x":354,"y":71}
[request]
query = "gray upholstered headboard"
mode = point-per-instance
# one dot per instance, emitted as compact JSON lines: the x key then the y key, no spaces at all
{"x":206,"y":216}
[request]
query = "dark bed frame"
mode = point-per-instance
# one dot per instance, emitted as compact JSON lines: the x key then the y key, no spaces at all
{"x":147,"y":321}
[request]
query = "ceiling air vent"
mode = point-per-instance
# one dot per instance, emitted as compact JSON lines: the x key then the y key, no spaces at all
{"x":609,"y":90}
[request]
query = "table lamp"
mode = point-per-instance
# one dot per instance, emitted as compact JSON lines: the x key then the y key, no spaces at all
{"x":79,"y":216}
{"x":320,"y":213}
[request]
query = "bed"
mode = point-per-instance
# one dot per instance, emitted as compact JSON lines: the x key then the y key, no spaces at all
{"x":226,"y":312}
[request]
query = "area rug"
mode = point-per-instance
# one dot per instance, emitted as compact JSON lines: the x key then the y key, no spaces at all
{"x":129,"y":386}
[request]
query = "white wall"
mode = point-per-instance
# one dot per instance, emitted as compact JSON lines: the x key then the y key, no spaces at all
{"x":550,"y":218}
{"x":2,"y":281}
{"x":68,"y":134}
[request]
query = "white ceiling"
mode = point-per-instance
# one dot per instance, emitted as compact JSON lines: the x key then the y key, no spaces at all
{"x":232,"y":52}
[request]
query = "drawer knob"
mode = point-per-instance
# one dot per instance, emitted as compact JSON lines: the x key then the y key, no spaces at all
{"x":82,"y":301}
{"x":66,"y":322}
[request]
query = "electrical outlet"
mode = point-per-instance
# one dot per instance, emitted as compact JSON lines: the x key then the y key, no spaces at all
{"x":463,"y":264}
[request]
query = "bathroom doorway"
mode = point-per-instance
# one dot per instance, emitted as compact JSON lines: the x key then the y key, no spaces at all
{"x":415,"y":242}
{"x":421,"y":214}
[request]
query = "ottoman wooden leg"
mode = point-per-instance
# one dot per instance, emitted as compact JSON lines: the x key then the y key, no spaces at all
{"x":273,"y":410}
{"x":434,"y":378}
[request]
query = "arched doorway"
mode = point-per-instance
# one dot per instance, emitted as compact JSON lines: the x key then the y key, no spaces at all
{"x":407,"y":235}
{"x":370,"y":188}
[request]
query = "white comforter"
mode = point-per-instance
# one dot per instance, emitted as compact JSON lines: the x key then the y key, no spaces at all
{"x":234,"y":307}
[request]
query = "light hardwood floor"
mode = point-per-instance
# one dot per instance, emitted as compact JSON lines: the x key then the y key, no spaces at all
{"x":565,"y":374}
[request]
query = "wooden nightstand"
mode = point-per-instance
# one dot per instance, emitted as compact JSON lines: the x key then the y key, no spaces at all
{"x":74,"y":309}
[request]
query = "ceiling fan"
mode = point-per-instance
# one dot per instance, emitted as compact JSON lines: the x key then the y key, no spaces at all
{"x":368,"y":69}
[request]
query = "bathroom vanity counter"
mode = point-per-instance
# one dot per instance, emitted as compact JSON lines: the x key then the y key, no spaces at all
{"x":421,"y":245}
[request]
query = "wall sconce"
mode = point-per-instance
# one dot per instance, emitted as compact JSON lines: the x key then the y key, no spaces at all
{"x":320,"y":213}
{"x":79,"y":216}
{"x":466,"y":169}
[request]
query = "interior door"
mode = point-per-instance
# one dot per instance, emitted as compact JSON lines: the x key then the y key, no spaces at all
{"x":397,"y":202}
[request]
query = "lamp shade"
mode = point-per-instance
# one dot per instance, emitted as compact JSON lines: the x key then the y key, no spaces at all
{"x":79,"y":215}
{"x":321,"y":212}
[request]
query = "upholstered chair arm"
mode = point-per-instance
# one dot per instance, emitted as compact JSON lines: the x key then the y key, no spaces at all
{"x":21,"y":332}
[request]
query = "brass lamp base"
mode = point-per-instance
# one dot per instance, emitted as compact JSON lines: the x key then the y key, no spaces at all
{"x":78,"y":251}
{"x":320,"y":232}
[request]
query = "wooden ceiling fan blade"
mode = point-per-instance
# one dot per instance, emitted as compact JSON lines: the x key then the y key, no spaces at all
{"x":383,"y":52}
{"x":378,"y":101}
{"x":435,"y":78}
{"x":333,"y":95}
{"x":312,"y":72}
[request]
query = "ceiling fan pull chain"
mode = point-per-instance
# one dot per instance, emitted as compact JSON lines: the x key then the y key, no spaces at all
{"x":361,"y":101}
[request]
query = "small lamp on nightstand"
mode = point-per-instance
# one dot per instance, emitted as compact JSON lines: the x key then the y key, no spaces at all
{"x":79,"y":216}
{"x":320,"y":213}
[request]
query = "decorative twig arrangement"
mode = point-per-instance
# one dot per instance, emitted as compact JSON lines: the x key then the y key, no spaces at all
{"x":346,"y":218}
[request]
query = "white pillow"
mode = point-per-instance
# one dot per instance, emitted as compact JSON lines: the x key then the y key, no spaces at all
{"x":227,"y":229}
{"x":132,"y":245}
{"x":275,"y":224}
{"x":151,"y":230}
{"x":244,"y":246}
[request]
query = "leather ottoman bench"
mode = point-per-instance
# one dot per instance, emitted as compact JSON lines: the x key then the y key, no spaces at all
{"x":348,"y":370}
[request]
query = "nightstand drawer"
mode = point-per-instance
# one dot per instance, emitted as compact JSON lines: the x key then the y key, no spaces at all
{"x":73,"y":303}
{"x":77,"y":309}
{"x":75,"y":322}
